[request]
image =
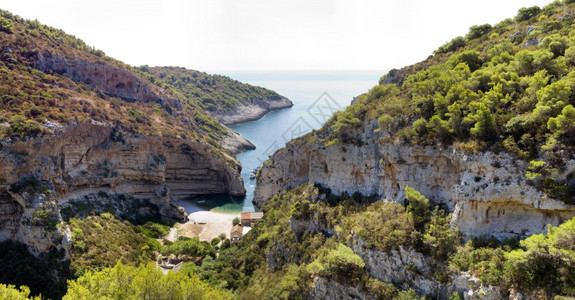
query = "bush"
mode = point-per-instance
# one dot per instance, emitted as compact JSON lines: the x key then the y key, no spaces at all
{"x":13,"y":293}
{"x":143,"y":282}
{"x":6,"y":25}
{"x":417,"y":207}
{"x":478,"y":31}
{"x":342,"y":264}
{"x":452,"y":45}
{"x":527,"y":13}
{"x":154,"y":230}
{"x":191,"y":247}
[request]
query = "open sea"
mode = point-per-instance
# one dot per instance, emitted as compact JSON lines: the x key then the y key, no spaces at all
{"x":315,"y":95}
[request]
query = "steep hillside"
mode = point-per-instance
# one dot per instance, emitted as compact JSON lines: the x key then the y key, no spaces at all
{"x":80,"y":129}
{"x":484,"y":126}
{"x":227,"y":100}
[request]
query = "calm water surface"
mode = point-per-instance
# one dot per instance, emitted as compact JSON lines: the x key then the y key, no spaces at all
{"x":315,"y":97}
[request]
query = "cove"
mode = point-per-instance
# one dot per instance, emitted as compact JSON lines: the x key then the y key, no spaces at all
{"x":315,"y":96}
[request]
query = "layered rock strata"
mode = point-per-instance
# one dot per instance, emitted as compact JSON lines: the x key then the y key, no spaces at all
{"x":51,"y":172}
{"x":488,"y":192}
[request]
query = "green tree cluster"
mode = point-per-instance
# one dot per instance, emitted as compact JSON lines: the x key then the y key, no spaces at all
{"x":143,"y":282}
{"x":542,"y":264}
{"x":490,"y":90}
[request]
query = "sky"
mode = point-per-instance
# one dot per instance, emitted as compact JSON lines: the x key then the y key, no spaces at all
{"x":257,"y":35}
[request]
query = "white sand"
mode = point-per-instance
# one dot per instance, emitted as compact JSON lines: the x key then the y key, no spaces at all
{"x":212,"y":223}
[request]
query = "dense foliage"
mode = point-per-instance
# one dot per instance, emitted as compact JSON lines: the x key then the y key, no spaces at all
{"x":101,"y":241}
{"x":505,"y":87}
{"x":542,"y":264}
{"x":13,"y":293}
{"x":210,"y":92}
{"x":304,"y":235}
{"x":190,"y":247}
{"x":144,"y":282}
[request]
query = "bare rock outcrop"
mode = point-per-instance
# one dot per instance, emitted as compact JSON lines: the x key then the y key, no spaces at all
{"x":253,"y":110}
{"x":49,"y":173}
{"x":488,"y":192}
{"x":114,"y":81}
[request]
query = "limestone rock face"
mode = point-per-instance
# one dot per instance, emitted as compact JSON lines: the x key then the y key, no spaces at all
{"x":402,"y":267}
{"x":107,"y":78}
{"x":50,"y":172}
{"x":326,"y":288}
{"x":251,"y":111}
{"x":487,"y":192}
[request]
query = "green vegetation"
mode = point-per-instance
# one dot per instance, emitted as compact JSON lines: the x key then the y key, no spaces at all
{"x":307,"y":233}
{"x":13,"y":293}
{"x":542,"y":263}
{"x":190,"y":247}
{"x":144,"y":282}
{"x":210,"y":92}
{"x":507,"y":87}
{"x":101,"y":241}
{"x":35,"y":103}
{"x":278,"y":258}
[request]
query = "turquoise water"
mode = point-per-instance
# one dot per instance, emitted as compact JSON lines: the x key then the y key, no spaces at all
{"x":315,"y":96}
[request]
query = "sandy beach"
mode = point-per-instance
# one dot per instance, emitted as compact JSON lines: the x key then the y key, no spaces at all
{"x":203,"y":224}
{"x":212,"y":224}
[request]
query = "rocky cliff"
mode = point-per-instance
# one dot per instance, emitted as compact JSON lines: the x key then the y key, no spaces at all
{"x":107,"y":78}
{"x":250,"y":111}
{"x":488,"y":192}
{"x":53,"y":172}
{"x":116,"y":81}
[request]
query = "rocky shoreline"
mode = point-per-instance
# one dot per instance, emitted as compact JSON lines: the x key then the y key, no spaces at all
{"x":252,"y":111}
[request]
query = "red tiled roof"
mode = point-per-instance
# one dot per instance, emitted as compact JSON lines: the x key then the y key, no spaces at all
{"x":246,"y":215}
{"x":237,"y":228}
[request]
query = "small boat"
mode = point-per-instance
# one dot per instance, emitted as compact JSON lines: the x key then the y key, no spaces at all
{"x":252,"y":175}
{"x":201,"y":201}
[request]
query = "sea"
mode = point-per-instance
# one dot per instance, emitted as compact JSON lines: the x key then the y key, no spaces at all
{"x":316,"y":95}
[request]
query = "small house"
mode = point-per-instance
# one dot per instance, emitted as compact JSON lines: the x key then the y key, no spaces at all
{"x":249,"y":218}
{"x":236,"y":234}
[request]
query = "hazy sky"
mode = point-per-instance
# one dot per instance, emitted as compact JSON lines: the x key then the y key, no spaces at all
{"x":214,"y":35}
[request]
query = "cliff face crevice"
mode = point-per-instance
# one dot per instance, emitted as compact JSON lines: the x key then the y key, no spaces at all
{"x":10,"y":214}
{"x":488,"y":192}
{"x":54,"y":171}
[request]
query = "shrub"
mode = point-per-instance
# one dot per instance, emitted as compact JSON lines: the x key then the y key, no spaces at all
{"x":478,"y":31}
{"x":343,"y":264}
{"x":417,"y":207}
{"x":191,"y":247}
{"x":6,"y":25}
{"x":13,"y":293}
{"x":143,"y":282}
{"x":527,"y":13}
{"x":452,"y":45}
